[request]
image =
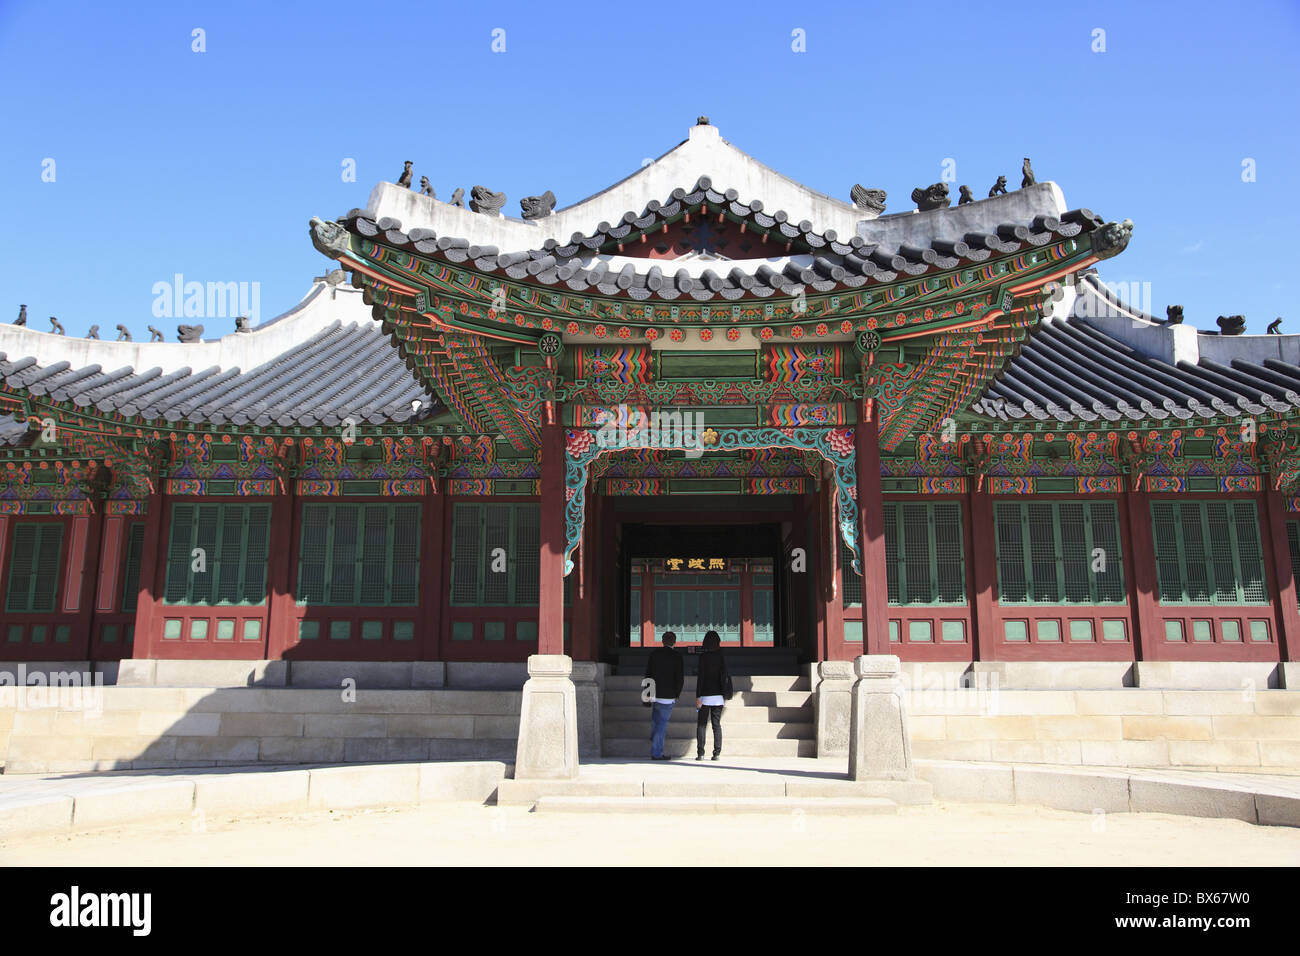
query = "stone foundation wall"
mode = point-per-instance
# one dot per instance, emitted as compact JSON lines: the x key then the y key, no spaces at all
{"x":1133,"y":727}
{"x":160,"y":727}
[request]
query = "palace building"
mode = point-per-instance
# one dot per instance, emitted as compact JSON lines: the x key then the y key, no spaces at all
{"x":706,"y":397}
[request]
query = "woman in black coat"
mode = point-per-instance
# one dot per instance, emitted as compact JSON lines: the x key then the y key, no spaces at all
{"x":712,"y":687}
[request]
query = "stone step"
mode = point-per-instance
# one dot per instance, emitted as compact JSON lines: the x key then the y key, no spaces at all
{"x":788,"y":806}
{"x":639,"y":746}
{"x":709,"y":781}
{"x":749,"y":698}
{"x":766,"y":682}
{"x":684,"y":713}
{"x":736,"y":730}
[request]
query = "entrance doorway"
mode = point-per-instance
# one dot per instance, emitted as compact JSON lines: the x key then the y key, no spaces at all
{"x":693,"y":579}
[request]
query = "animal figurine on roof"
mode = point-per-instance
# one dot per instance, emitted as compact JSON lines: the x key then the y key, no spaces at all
{"x":1231,"y":324}
{"x":484,"y":200}
{"x":872,"y":200}
{"x":538,"y":207}
{"x":122,"y":334}
{"x":931,"y":197}
{"x":55,"y":326}
{"x":405,"y":178}
{"x":241,"y":324}
{"x":1275,"y":327}
{"x":1027,"y":175}
{"x":1173,"y":315}
{"x":458,"y":199}
{"x":154,"y":334}
{"x":188,"y":333}
{"x":425,"y":188}
{"x":999,"y":187}
{"x":93,"y":333}
{"x":965,"y":196}
{"x":22,"y":315}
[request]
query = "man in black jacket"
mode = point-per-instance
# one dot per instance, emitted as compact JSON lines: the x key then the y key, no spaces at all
{"x":663,"y":685}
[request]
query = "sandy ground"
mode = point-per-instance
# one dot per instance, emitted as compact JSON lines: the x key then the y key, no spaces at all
{"x":467,"y":834}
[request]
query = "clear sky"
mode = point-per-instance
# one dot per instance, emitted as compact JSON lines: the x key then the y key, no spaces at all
{"x":210,"y":164}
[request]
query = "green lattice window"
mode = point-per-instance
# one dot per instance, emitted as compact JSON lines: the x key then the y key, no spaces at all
{"x":131,"y":571}
{"x":232,"y":566}
{"x":924,"y":557}
{"x":359,"y":554}
{"x":494,"y":555}
{"x":923,"y":553}
{"x":34,"y":567}
{"x":1059,"y":552}
{"x":1208,"y":552}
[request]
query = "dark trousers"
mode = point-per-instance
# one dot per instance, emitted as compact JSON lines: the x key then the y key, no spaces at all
{"x":702,"y":718}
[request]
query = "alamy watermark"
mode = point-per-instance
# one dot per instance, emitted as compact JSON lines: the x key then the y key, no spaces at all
{"x":179,"y":299}
{"x":626,"y":427}
{"x":52,"y":690}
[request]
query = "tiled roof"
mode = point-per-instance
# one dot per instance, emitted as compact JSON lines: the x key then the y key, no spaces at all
{"x":829,"y":262}
{"x":343,"y":370}
{"x":1069,"y":370}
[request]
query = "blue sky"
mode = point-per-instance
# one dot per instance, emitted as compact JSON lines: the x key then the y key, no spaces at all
{"x":210,"y":164}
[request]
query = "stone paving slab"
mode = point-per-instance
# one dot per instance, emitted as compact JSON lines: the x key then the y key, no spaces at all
{"x":63,"y":802}
{"x":40,"y":803}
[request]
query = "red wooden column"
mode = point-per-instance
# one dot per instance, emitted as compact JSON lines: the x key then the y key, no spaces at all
{"x":283,"y":541}
{"x":84,"y":627}
{"x":836,"y":649}
{"x":984,"y":571}
{"x":434,"y":590}
{"x":1288,"y":616}
{"x":871,"y":539}
{"x":582,"y":621}
{"x":550,"y":592}
{"x":148,"y":619}
{"x":1149,"y":640}
{"x":816,"y":556}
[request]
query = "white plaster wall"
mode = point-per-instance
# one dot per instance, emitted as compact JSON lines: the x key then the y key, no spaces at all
{"x":322,"y":305}
{"x":706,"y":153}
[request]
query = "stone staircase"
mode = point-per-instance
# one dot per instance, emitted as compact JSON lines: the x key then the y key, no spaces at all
{"x":771,"y":715}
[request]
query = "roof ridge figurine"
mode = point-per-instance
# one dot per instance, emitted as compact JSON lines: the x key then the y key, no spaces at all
{"x":188,"y":333}
{"x":55,"y":326}
{"x":458,"y":198}
{"x":122,"y":334}
{"x":965,"y":196}
{"x":93,"y":333}
{"x":872,"y":200}
{"x":1027,"y":175}
{"x":1173,"y":315}
{"x":484,"y":200}
{"x":1275,"y":327}
{"x":999,"y":188}
{"x":1231,"y":324}
{"x":931,"y":197}
{"x":425,"y":188}
{"x":154,"y":334}
{"x":538,"y":207}
{"x":22,"y":315}
{"x":405,"y":178}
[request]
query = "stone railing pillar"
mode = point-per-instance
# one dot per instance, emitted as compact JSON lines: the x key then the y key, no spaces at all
{"x":588,"y":683}
{"x":548,"y":721}
{"x":880,"y":746}
{"x":834,"y":707}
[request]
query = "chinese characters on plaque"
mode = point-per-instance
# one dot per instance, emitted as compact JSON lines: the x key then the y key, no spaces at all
{"x":695,"y":564}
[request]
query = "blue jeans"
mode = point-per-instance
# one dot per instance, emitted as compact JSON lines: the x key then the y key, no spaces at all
{"x":659,"y":714}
